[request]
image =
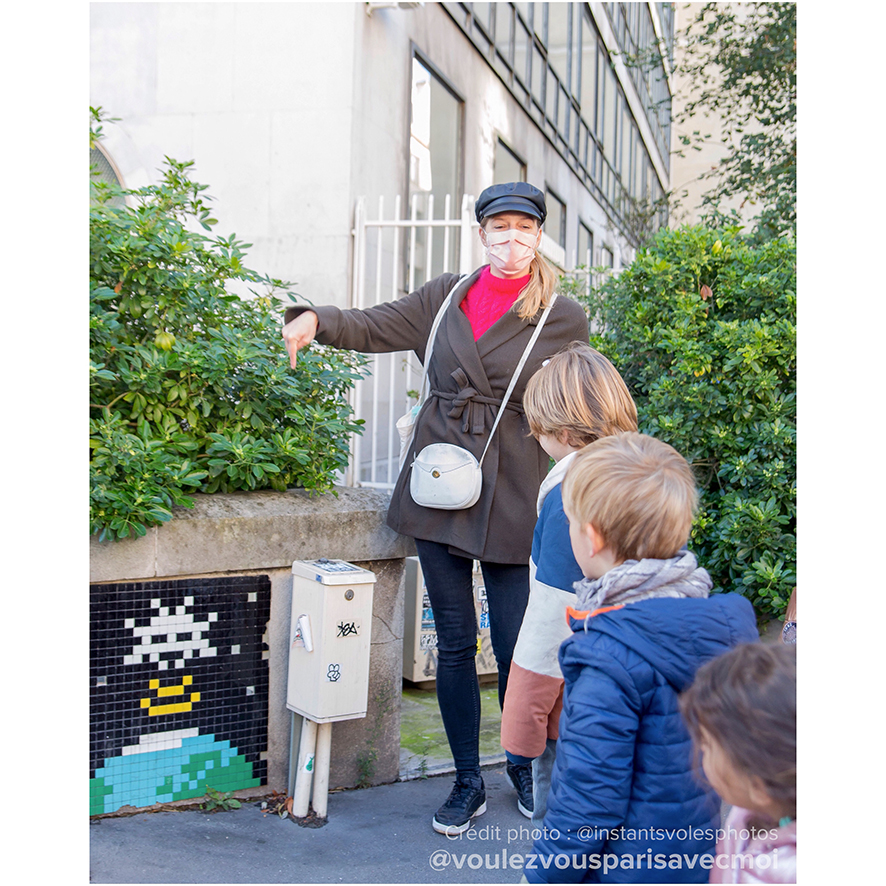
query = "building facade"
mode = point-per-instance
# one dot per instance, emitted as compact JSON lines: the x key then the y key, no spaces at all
{"x":296,"y":114}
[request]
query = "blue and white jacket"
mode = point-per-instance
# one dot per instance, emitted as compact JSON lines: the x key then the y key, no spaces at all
{"x":624,"y":784}
{"x":531,"y":711}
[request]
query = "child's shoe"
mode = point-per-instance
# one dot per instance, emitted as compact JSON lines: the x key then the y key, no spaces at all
{"x":520,"y":775}
{"x":467,"y":800}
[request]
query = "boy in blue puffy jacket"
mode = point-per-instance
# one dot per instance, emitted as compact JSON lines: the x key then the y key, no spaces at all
{"x":626,"y":803}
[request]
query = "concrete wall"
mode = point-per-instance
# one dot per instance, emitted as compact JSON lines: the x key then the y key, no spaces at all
{"x":263,"y":532}
{"x":686,"y":170}
{"x":259,"y":95}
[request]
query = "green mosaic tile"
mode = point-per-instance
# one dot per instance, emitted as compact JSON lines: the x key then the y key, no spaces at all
{"x":98,"y":790}
{"x":197,"y":762}
{"x":234,"y":777}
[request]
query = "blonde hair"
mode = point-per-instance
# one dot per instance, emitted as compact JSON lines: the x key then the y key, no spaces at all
{"x":539,"y":290}
{"x":636,"y":491}
{"x":579,"y":393}
{"x":543,"y":279}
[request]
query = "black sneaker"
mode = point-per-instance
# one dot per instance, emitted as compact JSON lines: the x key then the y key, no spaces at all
{"x":467,"y":799}
{"x":520,"y":775}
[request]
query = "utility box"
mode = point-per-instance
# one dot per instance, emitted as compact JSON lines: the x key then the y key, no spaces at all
{"x":330,"y":634}
{"x":419,"y":633}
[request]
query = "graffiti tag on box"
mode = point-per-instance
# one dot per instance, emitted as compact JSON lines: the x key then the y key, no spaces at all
{"x":348,"y":629}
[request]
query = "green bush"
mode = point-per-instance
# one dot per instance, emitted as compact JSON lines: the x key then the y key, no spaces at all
{"x":702,"y":327}
{"x":190,"y":385}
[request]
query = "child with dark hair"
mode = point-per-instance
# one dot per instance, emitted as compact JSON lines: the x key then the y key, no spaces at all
{"x":741,"y":713}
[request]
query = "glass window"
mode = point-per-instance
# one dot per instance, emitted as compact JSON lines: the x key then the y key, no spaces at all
{"x":555,"y":223}
{"x":434,"y":153}
{"x":521,"y":54}
{"x":585,"y":254}
{"x":508,"y":166}
{"x":562,"y":107}
{"x":558,"y":39}
{"x":551,"y":97}
{"x":588,"y":94}
{"x":481,"y":14}
{"x":601,"y":89}
{"x":610,"y":112}
{"x":525,"y":11}
{"x":504,"y":32}
{"x":539,"y":14}
{"x":639,"y":176}
{"x":551,"y":57}
{"x":606,"y":257}
{"x":624,"y":151}
{"x":538,"y":74}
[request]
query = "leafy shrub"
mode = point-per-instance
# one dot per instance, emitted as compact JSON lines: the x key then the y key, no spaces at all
{"x":702,"y":327}
{"x":190,"y":385}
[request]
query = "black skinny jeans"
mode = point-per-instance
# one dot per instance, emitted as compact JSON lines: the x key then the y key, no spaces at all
{"x":450,"y":589}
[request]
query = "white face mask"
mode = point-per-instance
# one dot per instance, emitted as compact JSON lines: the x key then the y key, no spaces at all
{"x":511,"y":251}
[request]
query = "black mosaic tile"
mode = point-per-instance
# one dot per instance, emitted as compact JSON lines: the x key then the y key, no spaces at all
{"x":170,"y":661}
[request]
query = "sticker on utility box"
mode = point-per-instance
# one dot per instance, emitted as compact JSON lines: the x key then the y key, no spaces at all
{"x":333,"y":673}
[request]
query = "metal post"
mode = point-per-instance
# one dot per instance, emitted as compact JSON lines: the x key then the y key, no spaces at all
{"x":429,"y":254}
{"x":375,"y":361}
{"x":392,"y":358}
{"x":352,"y":473}
{"x":465,"y":239}
{"x":447,"y":201}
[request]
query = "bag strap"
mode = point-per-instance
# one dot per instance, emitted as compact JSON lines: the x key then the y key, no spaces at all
{"x":423,"y":390}
{"x":517,"y":372}
{"x":433,"y":334}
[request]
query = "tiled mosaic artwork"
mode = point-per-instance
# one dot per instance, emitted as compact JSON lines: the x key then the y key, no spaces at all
{"x":178,"y":689}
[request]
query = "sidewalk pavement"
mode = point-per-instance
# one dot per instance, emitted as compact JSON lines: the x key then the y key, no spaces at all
{"x":378,"y":835}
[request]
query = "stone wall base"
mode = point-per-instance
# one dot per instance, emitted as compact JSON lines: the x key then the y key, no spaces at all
{"x":263,"y":533}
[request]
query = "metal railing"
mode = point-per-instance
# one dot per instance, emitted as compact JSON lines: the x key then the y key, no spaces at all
{"x":393,"y":257}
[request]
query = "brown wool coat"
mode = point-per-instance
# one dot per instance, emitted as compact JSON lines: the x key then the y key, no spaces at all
{"x":463,"y":375}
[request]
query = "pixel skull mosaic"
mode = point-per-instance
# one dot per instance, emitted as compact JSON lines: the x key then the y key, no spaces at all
{"x":178,"y":689}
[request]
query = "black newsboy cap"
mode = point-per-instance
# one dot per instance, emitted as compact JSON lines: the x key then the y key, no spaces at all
{"x":511,"y":197}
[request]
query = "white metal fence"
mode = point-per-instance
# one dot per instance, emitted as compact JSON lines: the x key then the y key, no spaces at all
{"x":392,"y":257}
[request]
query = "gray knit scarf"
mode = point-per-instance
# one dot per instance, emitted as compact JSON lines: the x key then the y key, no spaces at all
{"x":636,"y":580}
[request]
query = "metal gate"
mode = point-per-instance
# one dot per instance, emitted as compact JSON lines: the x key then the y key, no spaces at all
{"x":393,"y":257}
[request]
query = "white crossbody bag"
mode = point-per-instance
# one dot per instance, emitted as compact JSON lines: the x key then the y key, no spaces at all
{"x":444,"y":475}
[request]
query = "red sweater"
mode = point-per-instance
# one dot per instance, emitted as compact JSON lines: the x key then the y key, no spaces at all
{"x":489,"y":299}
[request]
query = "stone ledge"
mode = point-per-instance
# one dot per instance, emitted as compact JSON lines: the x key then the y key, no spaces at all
{"x":241,"y":531}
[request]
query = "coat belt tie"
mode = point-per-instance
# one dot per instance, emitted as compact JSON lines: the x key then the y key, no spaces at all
{"x":465,"y":401}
